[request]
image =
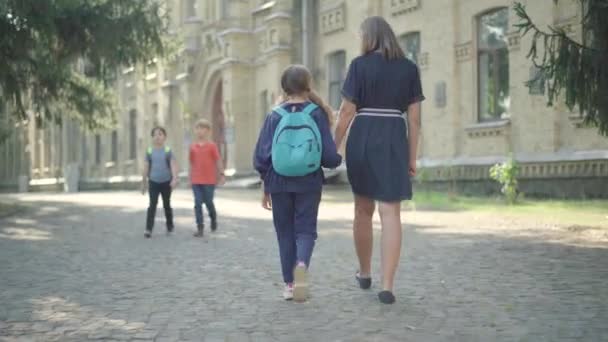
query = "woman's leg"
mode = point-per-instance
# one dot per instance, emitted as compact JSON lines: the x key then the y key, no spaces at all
{"x":363,"y":234}
{"x":390,"y":216}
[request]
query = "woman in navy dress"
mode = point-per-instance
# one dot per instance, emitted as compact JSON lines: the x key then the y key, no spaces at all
{"x":381,"y":98}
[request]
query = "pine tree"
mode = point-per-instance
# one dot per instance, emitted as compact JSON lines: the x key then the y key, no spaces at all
{"x":576,"y":69}
{"x":61,"y":56}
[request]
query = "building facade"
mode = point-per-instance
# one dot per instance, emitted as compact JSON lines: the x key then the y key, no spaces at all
{"x":473,"y":67}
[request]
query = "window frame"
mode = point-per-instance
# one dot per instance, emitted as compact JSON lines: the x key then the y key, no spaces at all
{"x":133,"y":134}
{"x":114,"y":146}
{"x":98,"y":149}
{"x":402,"y":39}
{"x":339,"y":82}
{"x":494,"y":53}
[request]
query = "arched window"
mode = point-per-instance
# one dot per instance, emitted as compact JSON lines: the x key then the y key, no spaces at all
{"x":493,"y":65}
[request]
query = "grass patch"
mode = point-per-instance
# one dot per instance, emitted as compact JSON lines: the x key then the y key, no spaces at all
{"x":573,"y":212}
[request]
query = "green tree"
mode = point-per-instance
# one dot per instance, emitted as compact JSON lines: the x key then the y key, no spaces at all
{"x":61,"y":56}
{"x":574,"y":68}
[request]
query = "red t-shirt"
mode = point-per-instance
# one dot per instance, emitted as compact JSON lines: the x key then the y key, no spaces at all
{"x":203,"y":163}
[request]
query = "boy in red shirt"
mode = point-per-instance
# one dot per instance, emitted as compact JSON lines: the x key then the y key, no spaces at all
{"x":205,"y":167}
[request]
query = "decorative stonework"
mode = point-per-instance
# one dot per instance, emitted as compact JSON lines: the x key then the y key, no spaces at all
{"x":398,"y":7}
{"x":464,"y":51}
{"x":489,"y":129}
{"x":273,"y":37}
{"x":333,"y":19}
{"x":423,"y":61}
{"x":587,"y":168}
{"x":538,"y":170}
{"x":441,"y":99}
{"x":514,"y":41}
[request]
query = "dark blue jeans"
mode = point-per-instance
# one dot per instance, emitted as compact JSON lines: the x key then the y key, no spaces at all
{"x":295,"y":221}
{"x":204,"y":194}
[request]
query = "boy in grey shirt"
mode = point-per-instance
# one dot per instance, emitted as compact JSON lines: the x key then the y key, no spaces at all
{"x":160,"y":176}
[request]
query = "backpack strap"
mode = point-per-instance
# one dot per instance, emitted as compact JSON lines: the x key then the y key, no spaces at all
{"x":168,"y":156}
{"x":280,"y":110}
{"x":149,"y":155}
{"x":309,"y":108}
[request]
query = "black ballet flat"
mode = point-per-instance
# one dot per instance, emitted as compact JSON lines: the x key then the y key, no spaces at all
{"x":364,"y":283}
{"x":386,"y":297}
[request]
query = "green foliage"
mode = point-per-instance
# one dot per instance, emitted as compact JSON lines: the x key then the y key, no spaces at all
{"x":59,"y":57}
{"x":577,"y":70}
{"x":422,"y":175}
{"x":506,"y":174}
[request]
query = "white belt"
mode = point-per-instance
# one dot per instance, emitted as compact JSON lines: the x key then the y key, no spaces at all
{"x":381,"y":112}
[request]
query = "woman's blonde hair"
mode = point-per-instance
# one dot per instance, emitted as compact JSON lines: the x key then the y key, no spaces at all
{"x":377,"y":35}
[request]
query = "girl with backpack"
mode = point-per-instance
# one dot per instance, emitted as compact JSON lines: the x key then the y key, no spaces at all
{"x":159,"y":178}
{"x":293,"y":146}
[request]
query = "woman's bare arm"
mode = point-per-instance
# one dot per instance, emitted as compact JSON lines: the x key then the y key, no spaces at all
{"x":346,"y":115}
{"x":413,"y":120}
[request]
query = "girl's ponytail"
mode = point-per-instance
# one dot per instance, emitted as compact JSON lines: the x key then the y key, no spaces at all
{"x":329,"y":112}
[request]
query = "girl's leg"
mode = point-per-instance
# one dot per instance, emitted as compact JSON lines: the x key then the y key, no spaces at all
{"x":390,"y":215}
{"x":166,"y":195}
{"x":305,"y":224}
{"x":153,"y":191}
{"x":363,"y":233}
{"x":283,"y":214}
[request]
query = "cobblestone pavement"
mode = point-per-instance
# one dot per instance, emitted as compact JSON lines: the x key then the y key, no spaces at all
{"x":77,"y":268}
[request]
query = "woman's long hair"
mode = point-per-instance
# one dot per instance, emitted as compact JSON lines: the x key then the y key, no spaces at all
{"x":377,"y":35}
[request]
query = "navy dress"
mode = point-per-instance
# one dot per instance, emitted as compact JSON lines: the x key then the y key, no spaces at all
{"x":377,"y":151}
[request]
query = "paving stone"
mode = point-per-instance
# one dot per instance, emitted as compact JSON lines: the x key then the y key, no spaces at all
{"x":464,"y":276}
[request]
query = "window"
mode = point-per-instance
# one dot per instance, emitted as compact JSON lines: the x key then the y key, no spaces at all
{"x":337,"y":65}
{"x":114,"y":154}
{"x":97,"y":149}
{"x":84,"y":150}
{"x":190,"y":9}
{"x":410,"y":43}
{"x":48,"y":142}
{"x":154,"y":113}
{"x":536,"y":84}
{"x":493,"y":65}
{"x":133,"y":134}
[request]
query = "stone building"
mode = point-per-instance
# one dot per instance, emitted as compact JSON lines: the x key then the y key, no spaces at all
{"x":473,"y":66}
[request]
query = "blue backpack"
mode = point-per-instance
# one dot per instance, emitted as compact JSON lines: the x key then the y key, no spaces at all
{"x":296,"y":145}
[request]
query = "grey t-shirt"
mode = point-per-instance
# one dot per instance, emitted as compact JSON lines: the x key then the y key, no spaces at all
{"x":160,"y":171}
